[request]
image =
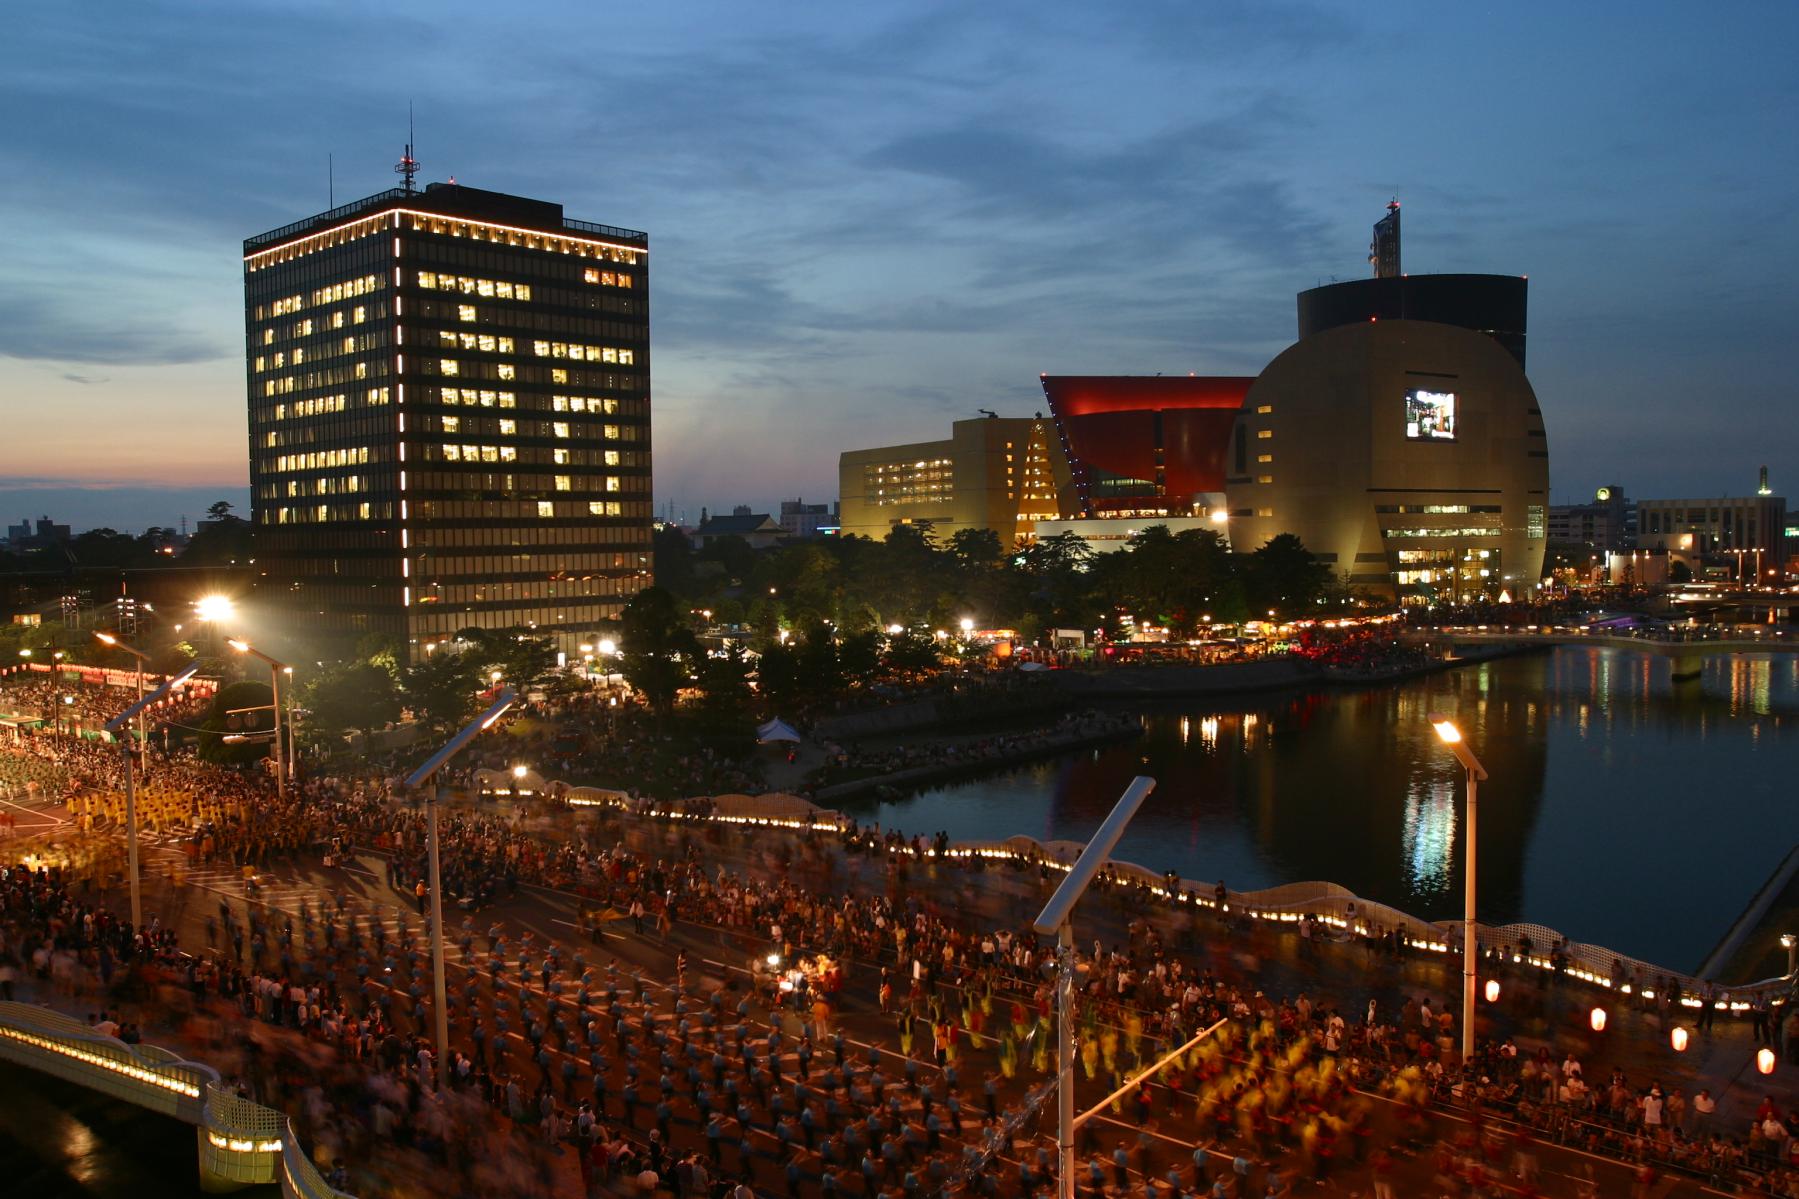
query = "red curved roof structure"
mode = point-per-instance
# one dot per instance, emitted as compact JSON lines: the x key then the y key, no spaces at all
{"x":1145,"y":441}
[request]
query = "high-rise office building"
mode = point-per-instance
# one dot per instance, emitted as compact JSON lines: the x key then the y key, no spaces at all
{"x":449,"y":395}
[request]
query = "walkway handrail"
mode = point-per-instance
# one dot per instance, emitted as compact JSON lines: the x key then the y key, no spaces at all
{"x":1331,"y":903}
{"x":150,"y":1077}
{"x":241,"y":1139}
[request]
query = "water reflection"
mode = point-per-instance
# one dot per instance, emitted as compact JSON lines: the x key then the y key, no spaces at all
{"x":1429,"y":839}
{"x":1623,"y":808}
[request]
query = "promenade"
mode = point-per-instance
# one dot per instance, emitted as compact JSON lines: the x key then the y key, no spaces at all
{"x":1229,"y":964}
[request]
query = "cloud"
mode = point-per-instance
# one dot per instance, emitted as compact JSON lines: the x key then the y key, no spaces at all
{"x":49,"y":330}
{"x":84,"y":380}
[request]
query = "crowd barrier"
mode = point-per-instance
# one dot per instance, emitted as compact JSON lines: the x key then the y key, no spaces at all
{"x":1525,"y":946}
{"x":241,"y":1142}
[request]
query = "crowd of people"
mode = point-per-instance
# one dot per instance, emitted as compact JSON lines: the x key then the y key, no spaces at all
{"x":700,"y":1087}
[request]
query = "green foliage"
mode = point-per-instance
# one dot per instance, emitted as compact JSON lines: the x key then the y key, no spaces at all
{"x":657,"y":649}
{"x":354,"y":695}
{"x":441,"y":688}
{"x":1283,"y":576}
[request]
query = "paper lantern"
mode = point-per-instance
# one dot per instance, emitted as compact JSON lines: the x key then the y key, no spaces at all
{"x":1764,"y":1060}
{"x":1597,"y":1019}
{"x":1678,"y":1039}
{"x":1492,"y":990}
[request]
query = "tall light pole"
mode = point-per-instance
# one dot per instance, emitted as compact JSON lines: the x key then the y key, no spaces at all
{"x":114,"y":641}
{"x":276,"y":670}
{"x":1057,"y":918}
{"x":1452,"y":737}
{"x":123,"y":721}
{"x":440,"y":1005}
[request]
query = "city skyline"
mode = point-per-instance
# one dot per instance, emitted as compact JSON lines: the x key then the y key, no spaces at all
{"x":869,"y":223}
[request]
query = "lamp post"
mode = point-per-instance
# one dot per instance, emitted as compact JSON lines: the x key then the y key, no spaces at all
{"x":1476,"y":773}
{"x":276,"y":670}
{"x":455,"y":745}
{"x":114,"y":641}
{"x":1057,"y":918}
{"x":123,"y":721}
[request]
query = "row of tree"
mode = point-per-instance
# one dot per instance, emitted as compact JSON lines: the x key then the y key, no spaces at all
{"x":912,"y":579}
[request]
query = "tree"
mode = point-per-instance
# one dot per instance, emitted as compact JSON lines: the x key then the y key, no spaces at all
{"x":220,"y":511}
{"x":356,"y":695}
{"x":778,"y":673}
{"x":1285,"y":577}
{"x":441,"y":689}
{"x":656,"y":648}
{"x":820,"y":671}
{"x":859,"y":657}
{"x":673,"y":559}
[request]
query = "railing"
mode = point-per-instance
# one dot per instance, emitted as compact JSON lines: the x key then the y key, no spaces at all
{"x":1334,"y":905}
{"x":145,"y":1075}
{"x":326,"y":218}
{"x":633,"y":235}
{"x":241,"y":1141}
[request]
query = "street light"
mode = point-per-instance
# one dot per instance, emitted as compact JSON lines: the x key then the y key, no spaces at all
{"x":417,"y":778}
{"x":1057,"y":918}
{"x":123,"y":720}
{"x":215,"y":609}
{"x":1476,"y":773}
{"x":1790,"y":943}
{"x":276,"y":670}
{"x":142,"y":657}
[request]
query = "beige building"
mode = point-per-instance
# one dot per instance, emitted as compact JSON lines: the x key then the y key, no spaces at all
{"x":1409,"y":456}
{"x":1000,"y":473}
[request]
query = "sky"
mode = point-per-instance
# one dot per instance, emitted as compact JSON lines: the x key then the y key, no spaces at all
{"x":867,"y":221}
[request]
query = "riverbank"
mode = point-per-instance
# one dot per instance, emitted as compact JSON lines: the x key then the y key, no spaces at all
{"x":1225,"y":679}
{"x":1080,"y":734}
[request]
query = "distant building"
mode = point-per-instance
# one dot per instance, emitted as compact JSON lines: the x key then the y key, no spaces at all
{"x":999,"y":473}
{"x":802,"y":520}
{"x":1734,"y":536}
{"x":1606,"y":524}
{"x":1400,"y":440}
{"x":1141,"y":446}
{"x":449,"y":415}
{"x":47,"y":533}
{"x":758,"y":530}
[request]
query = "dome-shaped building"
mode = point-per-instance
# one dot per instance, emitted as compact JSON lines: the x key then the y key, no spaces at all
{"x":1408,"y":455}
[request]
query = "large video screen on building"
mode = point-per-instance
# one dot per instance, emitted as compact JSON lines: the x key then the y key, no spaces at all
{"x":1429,"y":415}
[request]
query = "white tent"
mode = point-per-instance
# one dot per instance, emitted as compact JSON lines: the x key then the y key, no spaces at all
{"x":776,"y":730}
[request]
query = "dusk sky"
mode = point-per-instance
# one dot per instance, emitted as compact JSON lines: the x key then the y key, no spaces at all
{"x":869,"y":220}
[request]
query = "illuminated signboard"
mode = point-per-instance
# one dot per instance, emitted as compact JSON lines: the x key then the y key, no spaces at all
{"x":1429,"y":415}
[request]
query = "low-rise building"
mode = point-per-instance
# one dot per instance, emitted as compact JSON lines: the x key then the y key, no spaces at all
{"x":992,"y":472}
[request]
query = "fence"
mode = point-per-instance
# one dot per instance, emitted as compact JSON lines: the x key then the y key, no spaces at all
{"x":241,"y":1142}
{"x":1527,"y":946}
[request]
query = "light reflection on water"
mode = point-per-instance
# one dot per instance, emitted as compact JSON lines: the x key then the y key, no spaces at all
{"x":1623,"y":809}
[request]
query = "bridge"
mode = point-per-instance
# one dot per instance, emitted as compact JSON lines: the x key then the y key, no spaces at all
{"x":241,"y":1143}
{"x":1688,"y":650}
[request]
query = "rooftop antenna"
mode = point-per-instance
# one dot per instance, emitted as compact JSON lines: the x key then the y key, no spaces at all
{"x":408,"y":166}
{"x":330,"y":182}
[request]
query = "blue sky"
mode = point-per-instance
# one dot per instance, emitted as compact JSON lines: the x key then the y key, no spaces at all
{"x":869,"y":220}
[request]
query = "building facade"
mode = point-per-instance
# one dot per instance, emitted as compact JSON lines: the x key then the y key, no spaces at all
{"x":1409,"y":456}
{"x":1142,"y":446}
{"x":449,"y":402}
{"x":1607,"y":524}
{"x":999,"y":473}
{"x":1742,"y":537}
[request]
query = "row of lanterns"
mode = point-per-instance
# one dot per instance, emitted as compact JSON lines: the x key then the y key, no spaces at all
{"x":1765,"y":1059}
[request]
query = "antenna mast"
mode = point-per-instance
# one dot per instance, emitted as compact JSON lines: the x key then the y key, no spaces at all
{"x":408,"y":166}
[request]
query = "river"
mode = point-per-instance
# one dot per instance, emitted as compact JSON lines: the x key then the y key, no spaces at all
{"x":1623,"y":809}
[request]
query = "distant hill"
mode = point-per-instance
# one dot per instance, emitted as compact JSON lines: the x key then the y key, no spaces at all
{"x":127,"y":509}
